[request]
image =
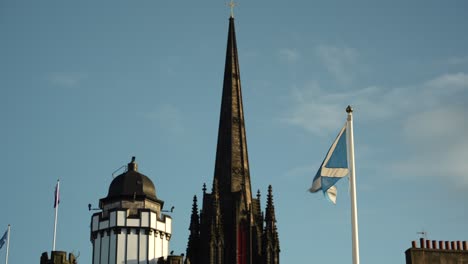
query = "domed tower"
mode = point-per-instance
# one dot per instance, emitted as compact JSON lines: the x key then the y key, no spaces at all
{"x":130,"y":228}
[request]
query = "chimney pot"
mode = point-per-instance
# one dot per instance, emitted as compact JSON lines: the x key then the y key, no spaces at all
{"x":413,"y":244}
{"x":459,"y":246}
{"x":441,"y":244}
{"x":453,"y":245}
{"x":434,"y":244}
{"x":428,"y":244}
{"x":421,"y":242}
{"x":447,"y":245}
{"x":465,"y":246}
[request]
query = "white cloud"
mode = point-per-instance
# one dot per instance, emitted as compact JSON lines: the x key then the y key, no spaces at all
{"x":66,"y":79}
{"x":168,"y":117}
{"x":432,"y":115}
{"x":448,"y":83}
{"x":439,"y":143}
{"x":317,"y":110}
{"x":438,"y":126}
{"x":340,"y":62}
{"x":457,"y":60}
{"x":448,"y":163}
{"x":289,"y":55}
{"x":321,"y":112}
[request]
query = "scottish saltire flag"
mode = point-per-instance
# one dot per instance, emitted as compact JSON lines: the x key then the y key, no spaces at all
{"x":57,"y":195}
{"x":334,"y":167}
{"x":3,"y":239}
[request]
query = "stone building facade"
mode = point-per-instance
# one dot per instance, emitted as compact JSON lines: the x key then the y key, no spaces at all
{"x":437,"y":252}
{"x":58,"y":257}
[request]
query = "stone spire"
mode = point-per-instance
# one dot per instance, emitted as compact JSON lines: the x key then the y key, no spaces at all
{"x":231,"y":221}
{"x":270,"y":217}
{"x":270,"y":240}
{"x":232,"y":163}
{"x":194,"y":237}
{"x":194,"y":222}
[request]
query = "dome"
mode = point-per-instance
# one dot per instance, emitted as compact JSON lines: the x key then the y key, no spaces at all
{"x":132,"y":184}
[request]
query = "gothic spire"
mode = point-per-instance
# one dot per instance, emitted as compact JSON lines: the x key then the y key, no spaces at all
{"x":194,"y":221}
{"x":270,"y":240}
{"x":270,"y":217}
{"x":232,"y":164}
{"x":193,"y":246}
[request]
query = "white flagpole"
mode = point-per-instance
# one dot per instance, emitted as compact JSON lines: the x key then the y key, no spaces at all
{"x":56,"y":203}
{"x":352,"y":180}
{"x":8,"y":245}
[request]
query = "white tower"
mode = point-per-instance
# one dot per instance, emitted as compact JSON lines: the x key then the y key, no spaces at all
{"x":130,"y":228}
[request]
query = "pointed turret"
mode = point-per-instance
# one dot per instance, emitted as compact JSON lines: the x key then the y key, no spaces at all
{"x":194,"y":237}
{"x":270,"y":217}
{"x":232,"y":163}
{"x":270,"y":243}
{"x":194,"y":223}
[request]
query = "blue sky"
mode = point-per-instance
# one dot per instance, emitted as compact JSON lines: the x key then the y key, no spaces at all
{"x":87,"y":84}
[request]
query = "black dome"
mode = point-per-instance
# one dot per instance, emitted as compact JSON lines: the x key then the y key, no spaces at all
{"x":132,"y":184}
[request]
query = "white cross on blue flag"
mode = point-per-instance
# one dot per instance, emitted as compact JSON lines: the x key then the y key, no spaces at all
{"x":334,"y":167}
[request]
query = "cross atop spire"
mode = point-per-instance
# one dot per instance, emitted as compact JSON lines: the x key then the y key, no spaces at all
{"x":232,"y":4}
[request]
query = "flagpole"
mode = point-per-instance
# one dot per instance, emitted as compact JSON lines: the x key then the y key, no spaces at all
{"x":352,"y":180}
{"x":56,"y":203}
{"x":8,"y":245}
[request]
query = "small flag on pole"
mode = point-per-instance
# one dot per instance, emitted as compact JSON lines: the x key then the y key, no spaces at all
{"x":57,"y":195}
{"x":334,"y":167}
{"x":3,"y":239}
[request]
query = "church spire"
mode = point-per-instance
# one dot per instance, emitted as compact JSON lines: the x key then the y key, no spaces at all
{"x":231,"y":221}
{"x":232,"y":164}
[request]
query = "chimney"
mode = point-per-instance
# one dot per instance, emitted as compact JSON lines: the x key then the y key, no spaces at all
{"x":428,"y":244}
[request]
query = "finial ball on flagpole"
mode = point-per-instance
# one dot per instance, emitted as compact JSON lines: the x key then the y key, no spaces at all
{"x":349,"y":109}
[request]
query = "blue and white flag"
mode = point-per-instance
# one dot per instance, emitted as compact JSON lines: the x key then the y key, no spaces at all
{"x":334,"y":167}
{"x":3,"y":239}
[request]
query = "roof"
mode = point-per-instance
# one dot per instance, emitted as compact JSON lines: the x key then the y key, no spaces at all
{"x":132,"y":184}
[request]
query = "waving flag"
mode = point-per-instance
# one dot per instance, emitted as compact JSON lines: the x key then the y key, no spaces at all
{"x":334,"y":167}
{"x":57,"y":195}
{"x":3,"y":239}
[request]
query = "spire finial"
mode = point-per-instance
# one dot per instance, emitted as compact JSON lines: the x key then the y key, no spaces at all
{"x":232,"y":4}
